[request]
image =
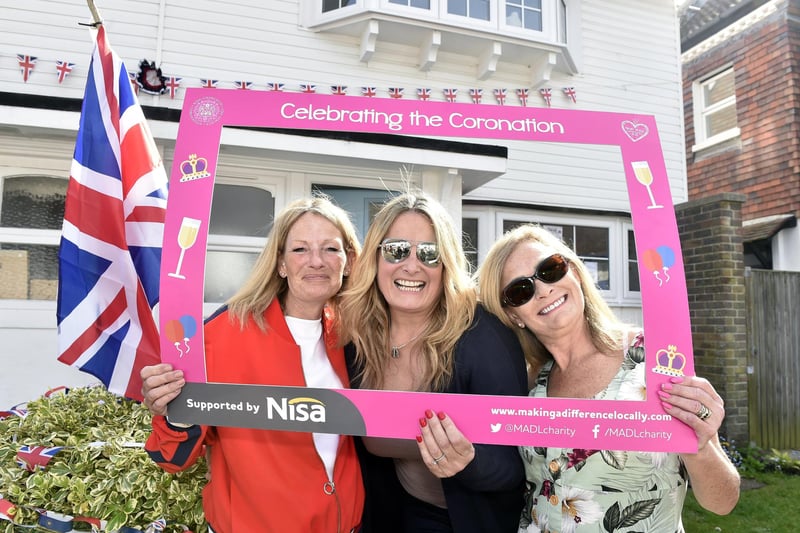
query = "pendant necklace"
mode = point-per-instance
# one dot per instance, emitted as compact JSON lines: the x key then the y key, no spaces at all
{"x":396,"y":349}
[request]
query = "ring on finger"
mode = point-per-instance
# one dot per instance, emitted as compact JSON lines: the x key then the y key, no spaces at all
{"x":437,"y":459}
{"x":703,"y":413}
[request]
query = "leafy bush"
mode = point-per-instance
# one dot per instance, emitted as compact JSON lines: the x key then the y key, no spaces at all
{"x":753,"y":460}
{"x":102,"y":471}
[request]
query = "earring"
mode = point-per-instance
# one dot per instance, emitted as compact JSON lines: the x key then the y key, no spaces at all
{"x":282,"y":274}
{"x":521,"y":325}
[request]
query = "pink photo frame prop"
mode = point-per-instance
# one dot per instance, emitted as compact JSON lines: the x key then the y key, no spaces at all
{"x":574,"y":423}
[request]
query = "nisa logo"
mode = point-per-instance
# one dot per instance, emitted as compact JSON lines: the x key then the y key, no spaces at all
{"x":296,"y":409}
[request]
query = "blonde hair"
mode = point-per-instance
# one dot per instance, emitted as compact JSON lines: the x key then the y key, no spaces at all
{"x":604,"y":327}
{"x":264,"y":283}
{"x":364,"y":313}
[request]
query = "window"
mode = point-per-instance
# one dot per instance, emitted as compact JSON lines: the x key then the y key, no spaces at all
{"x":474,"y":9}
{"x":469,"y":232}
{"x":332,"y":5}
{"x":31,"y":216}
{"x":715,"y":109}
{"x":240,"y":220}
{"x":422,"y":4}
{"x":633,"y":263}
{"x":524,"y":13}
{"x":591,"y":244}
{"x":528,"y":30}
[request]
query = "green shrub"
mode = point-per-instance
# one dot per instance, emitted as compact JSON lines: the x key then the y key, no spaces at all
{"x":102,"y":471}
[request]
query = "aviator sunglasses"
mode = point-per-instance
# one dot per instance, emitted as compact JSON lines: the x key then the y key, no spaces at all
{"x":521,"y":290}
{"x":397,"y":250}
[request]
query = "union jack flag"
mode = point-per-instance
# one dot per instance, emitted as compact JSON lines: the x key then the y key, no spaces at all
{"x":396,"y":92}
{"x":243,"y":85}
{"x":209,"y":84}
{"x":110,"y":253}
{"x":423,"y":93}
{"x":14,"y":411}
{"x":368,"y":91}
{"x":500,"y":95}
{"x":158,"y":525}
{"x":340,"y":90}
{"x":26,"y":65}
{"x":547,"y":94}
{"x":8,"y":511}
{"x":522,"y":94}
{"x":308,"y":88}
{"x":32,"y":457}
{"x":476,"y":95}
{"x":570,"y":92}
{"x":64,"y":68}
{"x":274,"y":86}
{"x":172,"y":86}
{"x":450,"y":94}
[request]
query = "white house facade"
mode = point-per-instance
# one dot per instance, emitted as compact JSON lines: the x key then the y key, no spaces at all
{"x":597,"y":55}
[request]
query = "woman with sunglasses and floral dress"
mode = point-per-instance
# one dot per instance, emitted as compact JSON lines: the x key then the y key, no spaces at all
{"x":413,"y":323}
{"x":577,"y":348}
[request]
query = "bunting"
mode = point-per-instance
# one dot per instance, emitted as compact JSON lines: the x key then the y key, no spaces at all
{"x":64,"y":68}
{"x":26,"y":66}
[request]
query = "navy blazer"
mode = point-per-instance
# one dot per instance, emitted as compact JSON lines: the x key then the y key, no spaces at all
{"x":487,"y":496}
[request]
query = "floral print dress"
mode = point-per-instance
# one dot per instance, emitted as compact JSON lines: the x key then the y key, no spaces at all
{"x":570,"y":490}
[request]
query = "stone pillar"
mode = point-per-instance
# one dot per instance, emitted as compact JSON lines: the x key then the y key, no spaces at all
{"x":710,"y":233}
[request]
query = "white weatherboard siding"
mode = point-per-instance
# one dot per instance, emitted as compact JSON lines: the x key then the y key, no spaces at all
{"x":628,"y":62}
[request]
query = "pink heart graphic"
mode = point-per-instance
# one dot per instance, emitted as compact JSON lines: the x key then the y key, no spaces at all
{"x":634,"y":130}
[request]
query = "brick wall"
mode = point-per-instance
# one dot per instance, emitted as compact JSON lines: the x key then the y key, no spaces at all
{"x":764,"y":163}
{"x":710,"y":233}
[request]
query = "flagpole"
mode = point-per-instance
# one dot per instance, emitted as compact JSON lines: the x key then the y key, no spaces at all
{"x":95,"y":15}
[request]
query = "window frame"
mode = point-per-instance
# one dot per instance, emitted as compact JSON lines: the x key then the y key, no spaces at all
{"x":702,"y":139}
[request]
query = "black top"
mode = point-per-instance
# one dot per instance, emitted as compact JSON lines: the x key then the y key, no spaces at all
{"x":487,"y":496}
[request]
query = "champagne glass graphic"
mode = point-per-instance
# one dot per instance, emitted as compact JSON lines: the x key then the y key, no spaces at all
{"x":187,"y":236}
{"x":645,"y":176}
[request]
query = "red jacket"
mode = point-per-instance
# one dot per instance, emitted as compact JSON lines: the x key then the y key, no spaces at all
{"x":263,"y":481}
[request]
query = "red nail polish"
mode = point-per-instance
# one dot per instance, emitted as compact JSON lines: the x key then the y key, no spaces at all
{"x":441,"y":415}
{"x":429,"y":413}
{"x":419,"y":438}
{"x":423,"y":422}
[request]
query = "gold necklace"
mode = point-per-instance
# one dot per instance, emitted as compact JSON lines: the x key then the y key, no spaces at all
{"x":396,"y":348}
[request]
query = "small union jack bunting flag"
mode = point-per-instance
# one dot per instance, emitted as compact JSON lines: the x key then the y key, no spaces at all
{"x":500,"y":96}
{"x":14,"y":411}
{"x":368,"y":91}
{"x":450,"y":94}
{"x":423,"y":94}
{"x":26,"y":66}
{"x":64,"y":68}
{"x":547,"y":95}
{"x":33,"y":457}
{"x":339,"y":90}
{"x":274,"y":86}
{"x":522,"y":94}
{"x":243,"y":85}
{"x":476,"y":95}
{"x":308,"y":88}
{"x":209,"y":84}
{"x":172,"y":85}
{"x":134,"y":83}
{"x":396,"y":92}
{"x":8,"y":511}
{"x":570,"y":92}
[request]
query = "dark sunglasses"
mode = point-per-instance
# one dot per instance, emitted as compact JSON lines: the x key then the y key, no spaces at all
{"x":397,"y":250}
{"x":521,"y":290}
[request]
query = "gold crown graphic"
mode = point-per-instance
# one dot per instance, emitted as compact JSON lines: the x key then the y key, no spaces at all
{"x":194,"y":168}
{"x":670,"y":361}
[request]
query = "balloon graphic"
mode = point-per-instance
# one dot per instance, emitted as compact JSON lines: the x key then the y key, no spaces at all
{"x":667,"y":257}
{"x":174,"y":332}
{"x":189,"y":329}
{"x":658,"y":261}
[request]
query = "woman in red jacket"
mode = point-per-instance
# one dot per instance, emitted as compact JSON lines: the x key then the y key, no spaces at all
{"x":276,"y":330}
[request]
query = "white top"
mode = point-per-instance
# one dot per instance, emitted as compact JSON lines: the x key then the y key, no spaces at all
{"x":319,"y":373}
